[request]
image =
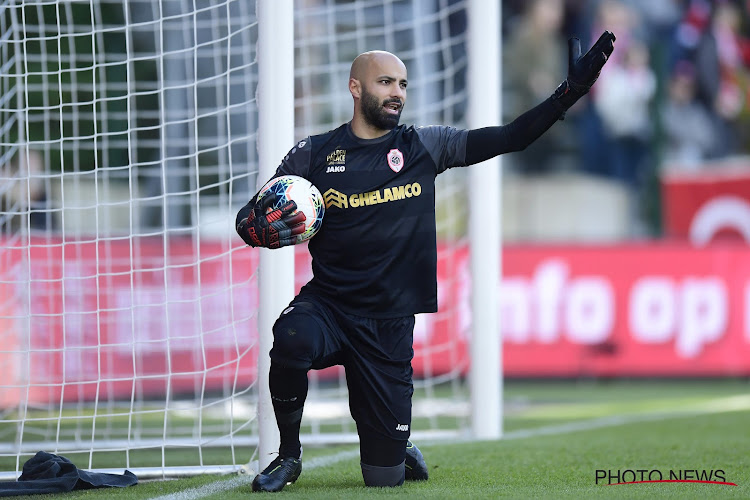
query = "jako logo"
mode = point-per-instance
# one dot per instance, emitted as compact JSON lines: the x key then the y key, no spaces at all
{"x":402,"y":427}
{"x":339,"y":200}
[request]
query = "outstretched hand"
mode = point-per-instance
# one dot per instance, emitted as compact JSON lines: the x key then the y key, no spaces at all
{"x":583,"y":70}
{"x":272,"y":228}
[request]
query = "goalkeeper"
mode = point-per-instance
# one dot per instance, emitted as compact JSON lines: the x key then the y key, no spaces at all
{"x":374,"y":260}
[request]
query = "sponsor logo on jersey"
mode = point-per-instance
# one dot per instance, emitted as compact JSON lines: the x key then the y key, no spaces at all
{"x":395,"y":160}
{"x":336,"y":161}
{"x":402,"y":427}
{"x":337,"y":199}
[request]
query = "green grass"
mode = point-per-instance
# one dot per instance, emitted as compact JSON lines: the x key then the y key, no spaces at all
{"x":702,"y":425}
{"x":565,"y":466}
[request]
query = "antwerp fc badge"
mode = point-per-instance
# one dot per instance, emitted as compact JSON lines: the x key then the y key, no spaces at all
{"x":395,"y":160}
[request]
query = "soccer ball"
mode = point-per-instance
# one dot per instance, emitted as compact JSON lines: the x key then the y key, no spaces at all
{"x":305,"y":194}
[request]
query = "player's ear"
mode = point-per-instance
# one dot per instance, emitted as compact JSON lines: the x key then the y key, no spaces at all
{"x":355,"y":88}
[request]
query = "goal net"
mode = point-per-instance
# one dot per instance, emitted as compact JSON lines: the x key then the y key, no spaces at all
{"x":128,"y":305}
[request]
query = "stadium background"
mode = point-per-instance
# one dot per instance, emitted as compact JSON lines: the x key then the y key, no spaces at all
{"x":625,"y":230}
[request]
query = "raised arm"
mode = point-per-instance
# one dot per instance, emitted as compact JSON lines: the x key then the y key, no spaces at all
{"x":485,"y":143}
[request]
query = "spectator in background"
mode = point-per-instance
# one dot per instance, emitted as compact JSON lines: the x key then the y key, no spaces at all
{"x":690,"y":29}
{"x":534,"y":60}
{"x":623,"y":101}
{"x":722,"y":76}
{"x":660,"y":17}
{"x":596,"y":147}
{"x":690,"y":137}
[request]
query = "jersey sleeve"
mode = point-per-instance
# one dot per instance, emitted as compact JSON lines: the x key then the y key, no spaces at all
{"x":446,"y":145}
{"x":297,"y":160}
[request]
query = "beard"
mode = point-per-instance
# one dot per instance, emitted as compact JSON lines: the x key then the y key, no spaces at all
{"x":374,"y":113}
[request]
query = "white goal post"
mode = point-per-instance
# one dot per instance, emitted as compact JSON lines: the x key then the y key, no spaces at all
{"x":133,"y":333}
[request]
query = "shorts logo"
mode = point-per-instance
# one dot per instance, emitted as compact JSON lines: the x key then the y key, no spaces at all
{"x":395,"y":160}
{"x":402,"y":427}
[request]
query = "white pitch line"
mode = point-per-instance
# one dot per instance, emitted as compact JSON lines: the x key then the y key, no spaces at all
{"x":721,"y":405}
{"x":209,"y":489}
{"x":244,"y":481}
{"x":595,"y":423}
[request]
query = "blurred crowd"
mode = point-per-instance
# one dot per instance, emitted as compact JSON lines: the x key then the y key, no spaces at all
{"x":675,"y":94}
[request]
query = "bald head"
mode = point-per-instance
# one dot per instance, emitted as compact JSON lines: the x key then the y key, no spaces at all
{"x":367,"y":61}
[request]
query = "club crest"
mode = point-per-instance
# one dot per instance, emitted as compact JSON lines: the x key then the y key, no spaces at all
{"x":395,"y":160}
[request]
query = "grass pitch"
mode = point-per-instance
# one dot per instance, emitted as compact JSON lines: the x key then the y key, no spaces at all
{"x":558,"y":437}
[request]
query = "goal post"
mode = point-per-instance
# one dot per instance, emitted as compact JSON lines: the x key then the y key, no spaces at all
{"x":484,"y":109}
{"x":276,"y":131}
{"x":133,"y":330}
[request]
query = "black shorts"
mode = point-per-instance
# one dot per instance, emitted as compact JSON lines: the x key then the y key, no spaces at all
{"x":376,"y":355}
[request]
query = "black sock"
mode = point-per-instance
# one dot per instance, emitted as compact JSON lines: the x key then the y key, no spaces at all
{"x":288,"y":393}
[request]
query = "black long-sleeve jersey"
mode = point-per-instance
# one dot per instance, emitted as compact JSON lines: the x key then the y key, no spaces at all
{"x":376,"y":254}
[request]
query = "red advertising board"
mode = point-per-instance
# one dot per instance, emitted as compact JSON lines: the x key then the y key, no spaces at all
{"x":707,"y":205}
{"x":116,"y":317}
{"x":630,"y":310}
{"x":627,"y":310}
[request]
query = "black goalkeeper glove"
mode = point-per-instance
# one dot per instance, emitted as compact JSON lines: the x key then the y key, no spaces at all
{"x":275,"y":229}
{"x":583,"y":71}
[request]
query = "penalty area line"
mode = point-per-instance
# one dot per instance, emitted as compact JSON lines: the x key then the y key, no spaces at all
{"x":713,"y":406}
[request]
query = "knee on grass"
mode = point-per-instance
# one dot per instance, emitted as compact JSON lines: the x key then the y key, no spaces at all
{"x":383,"y":476}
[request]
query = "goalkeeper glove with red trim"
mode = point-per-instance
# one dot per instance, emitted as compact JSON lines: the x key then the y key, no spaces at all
{"x":272,"y":229}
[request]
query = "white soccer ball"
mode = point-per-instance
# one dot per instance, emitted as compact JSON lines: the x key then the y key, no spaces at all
{"x":304,"y":194}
